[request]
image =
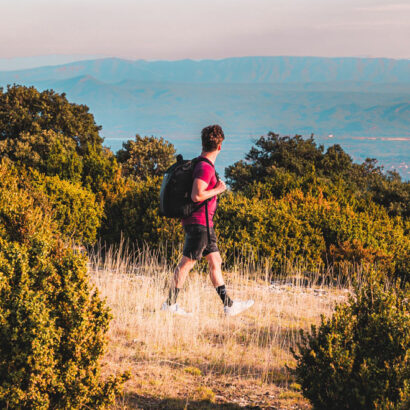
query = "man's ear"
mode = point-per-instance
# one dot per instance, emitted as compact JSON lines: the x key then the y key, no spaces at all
{"x":219,"y":147}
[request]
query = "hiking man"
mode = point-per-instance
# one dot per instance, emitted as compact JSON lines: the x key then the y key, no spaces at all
{"x":198,"y":241}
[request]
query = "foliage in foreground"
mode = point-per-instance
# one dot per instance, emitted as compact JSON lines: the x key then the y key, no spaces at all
{"x":52,"y":326}
{"x":314,"y":229}
{"x":75,"y":209}
{"x":135,"y":215}
{"x":360,"y":357}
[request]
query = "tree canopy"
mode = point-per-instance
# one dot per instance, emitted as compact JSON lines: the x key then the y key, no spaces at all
{"x":146,"y":157}
{"x":25,"y":109}
{"x":284,"y":162}
{"x":45,"y":131}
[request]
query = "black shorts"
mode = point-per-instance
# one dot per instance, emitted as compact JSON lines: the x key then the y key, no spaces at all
{"x":196,"y":241}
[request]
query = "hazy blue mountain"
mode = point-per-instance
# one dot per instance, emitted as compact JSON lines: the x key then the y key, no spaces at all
{"x":350,"y":98}
{"x":180,"y":108}
{"x":22,"y":63}
{"x":228,"y":70}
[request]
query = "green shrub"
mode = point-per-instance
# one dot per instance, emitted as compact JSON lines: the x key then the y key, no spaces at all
{"x":52,"y":326}
{"x":382,"y":239}
{"x":75,"y":209}
{"x":267,"y":228}
{"x":312,"y":229}
{"x":135,"y":215}
{"x":360,"y":357}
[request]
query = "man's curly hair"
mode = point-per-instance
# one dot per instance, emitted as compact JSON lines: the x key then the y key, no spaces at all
{"x":211,"y":136}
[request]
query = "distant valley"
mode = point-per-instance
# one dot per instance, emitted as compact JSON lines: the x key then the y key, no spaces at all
{"x":363,"y":104}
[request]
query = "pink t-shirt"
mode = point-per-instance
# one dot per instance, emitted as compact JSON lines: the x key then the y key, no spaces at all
{"x":205,"y":171}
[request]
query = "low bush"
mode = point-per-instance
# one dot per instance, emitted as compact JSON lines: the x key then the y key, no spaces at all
{"x":52,"y":324}
{"x":313,"y":229}
{"x":360,"y":357}
{"x":75,"y":209}
{"x":134,"y":215}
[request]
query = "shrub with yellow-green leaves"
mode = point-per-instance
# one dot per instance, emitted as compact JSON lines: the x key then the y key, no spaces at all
{"x":310,"y":228}
{"x":266,"y":228}
{"x":290,"y":202}
{"x":383,"y":239}
{"x":307,"y":227}
{"x":52,"y":324}
{"x":135,"y":215}
{"x":75,"y":209}
{"x":360,"y":357}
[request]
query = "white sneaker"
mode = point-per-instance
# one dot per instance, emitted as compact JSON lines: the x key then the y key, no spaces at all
{"x":238,"y":307}
{"x":175,"y":309}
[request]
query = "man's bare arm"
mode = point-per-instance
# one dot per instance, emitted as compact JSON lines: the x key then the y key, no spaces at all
{"x":199,"y":192}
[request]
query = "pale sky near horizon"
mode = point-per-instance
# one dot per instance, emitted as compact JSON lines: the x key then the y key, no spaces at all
{"x":197,"y":29}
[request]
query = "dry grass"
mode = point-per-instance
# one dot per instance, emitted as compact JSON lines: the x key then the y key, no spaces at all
{"x":208,"y":360}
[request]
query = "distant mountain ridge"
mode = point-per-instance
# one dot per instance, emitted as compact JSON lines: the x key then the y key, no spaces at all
{"x":228,"y":70}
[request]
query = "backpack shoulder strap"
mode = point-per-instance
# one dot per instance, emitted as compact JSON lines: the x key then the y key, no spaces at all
{"x":206,"y":160}
{"x":197,"y":160}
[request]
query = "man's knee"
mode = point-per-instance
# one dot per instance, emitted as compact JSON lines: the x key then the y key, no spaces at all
{"x":214,"y":259}
{"x":186,"y":263}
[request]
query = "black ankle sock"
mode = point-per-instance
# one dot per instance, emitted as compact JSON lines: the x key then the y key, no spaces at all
{"x":172,"y":296}
{"x":226,"y":300}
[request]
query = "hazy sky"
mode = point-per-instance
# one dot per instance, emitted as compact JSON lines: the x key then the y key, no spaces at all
{"x":176,"y":29}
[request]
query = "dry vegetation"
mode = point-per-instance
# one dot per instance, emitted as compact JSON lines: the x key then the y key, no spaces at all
{"x":206,"y":361}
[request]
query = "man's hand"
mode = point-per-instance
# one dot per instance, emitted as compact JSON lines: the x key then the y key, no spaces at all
{"x":200,"y":193}
{"x":220,"y":187}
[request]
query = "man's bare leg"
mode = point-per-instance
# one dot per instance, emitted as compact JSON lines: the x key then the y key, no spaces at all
{"x":215,"y":273}
{"x":178,"y":280}
{"x":182,"y":270}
